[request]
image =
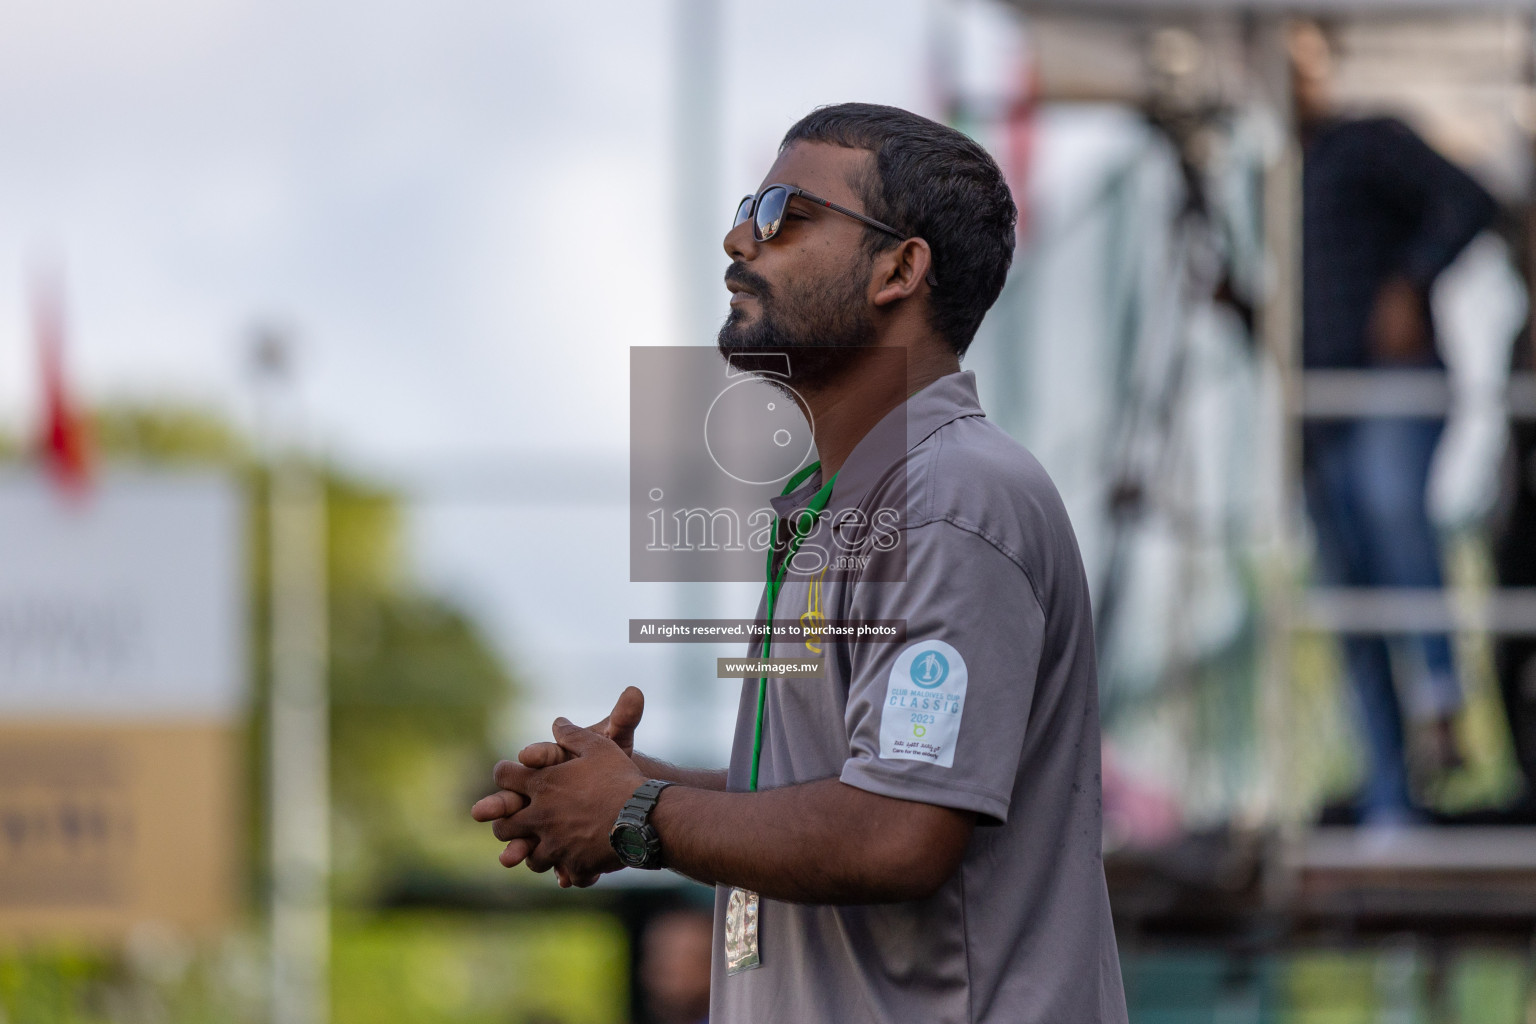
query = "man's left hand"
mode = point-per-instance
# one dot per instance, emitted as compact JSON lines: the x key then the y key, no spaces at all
{"x":1398,"y":330}
{"x":560,"y":816}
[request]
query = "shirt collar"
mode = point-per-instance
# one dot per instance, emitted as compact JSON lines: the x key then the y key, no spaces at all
{"x":941,"y":402}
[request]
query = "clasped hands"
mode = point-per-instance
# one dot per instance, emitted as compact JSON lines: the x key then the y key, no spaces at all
{"x":556,"y":803}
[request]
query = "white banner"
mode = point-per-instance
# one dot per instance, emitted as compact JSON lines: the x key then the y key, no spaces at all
{"x":126,"y":601}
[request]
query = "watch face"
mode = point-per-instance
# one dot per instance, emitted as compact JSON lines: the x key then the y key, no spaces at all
{"x":629,"y":844}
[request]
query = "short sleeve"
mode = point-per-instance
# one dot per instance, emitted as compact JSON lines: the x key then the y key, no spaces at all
{"x":1446,"y":206}
{"x":940,"y":718}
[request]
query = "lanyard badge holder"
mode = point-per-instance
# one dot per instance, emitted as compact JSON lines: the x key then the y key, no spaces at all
{"x":741,"y":909}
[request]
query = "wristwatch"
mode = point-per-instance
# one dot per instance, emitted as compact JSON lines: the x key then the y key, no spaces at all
{"x":633,"y":837}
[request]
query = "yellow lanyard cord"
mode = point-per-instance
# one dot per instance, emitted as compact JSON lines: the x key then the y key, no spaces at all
{"x":801,"y":524}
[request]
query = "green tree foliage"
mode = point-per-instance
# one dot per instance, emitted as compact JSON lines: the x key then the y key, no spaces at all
{"x":157,"y":434}
{"x":415,"y":688}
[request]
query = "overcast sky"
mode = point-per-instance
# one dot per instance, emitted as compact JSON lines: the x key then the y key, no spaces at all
{"x":449,"y":204}
{"x":462,"y":211}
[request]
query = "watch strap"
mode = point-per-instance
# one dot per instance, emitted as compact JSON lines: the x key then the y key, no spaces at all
{"x":639,"y":806}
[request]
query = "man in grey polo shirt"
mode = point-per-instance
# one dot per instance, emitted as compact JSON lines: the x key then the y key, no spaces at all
{"x":918,"y":836}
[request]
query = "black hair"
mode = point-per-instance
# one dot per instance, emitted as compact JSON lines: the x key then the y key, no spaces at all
{"x":934,"y":183}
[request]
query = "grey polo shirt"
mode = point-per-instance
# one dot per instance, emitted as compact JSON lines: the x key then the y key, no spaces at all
{"x":990,"y":705}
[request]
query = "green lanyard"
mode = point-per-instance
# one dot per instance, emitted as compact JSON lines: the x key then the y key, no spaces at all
{"x":807,"y":519}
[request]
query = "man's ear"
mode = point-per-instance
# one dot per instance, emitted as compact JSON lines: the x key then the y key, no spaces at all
{"x":902,"y":271}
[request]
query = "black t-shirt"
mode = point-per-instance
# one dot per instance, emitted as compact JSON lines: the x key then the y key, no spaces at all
{"x":1377,"y":203}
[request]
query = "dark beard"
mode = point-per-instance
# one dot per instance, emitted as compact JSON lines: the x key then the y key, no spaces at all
{"x":827,"y":335}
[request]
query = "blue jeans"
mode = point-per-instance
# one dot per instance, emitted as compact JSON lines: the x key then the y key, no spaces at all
{"x":1365,"y":483}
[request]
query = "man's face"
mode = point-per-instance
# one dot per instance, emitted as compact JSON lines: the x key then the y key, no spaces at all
{"x":1311,"y":63}
{"x":806,"y":291}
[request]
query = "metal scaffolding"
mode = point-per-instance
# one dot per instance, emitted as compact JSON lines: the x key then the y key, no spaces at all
{"x":1455,"y":65}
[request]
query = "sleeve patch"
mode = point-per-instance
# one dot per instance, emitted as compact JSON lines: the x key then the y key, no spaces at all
{"x":924,"y":697}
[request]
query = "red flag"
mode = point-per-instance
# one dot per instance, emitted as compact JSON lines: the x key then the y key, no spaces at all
{"x":1022,"y":112}
{"x":64,"y":445}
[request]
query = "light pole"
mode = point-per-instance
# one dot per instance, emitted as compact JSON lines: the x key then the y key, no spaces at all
{"x":696,"y":141}
{"x":298,"y":760}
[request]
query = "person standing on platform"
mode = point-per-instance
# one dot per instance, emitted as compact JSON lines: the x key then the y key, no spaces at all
{"x":1382,"y":215}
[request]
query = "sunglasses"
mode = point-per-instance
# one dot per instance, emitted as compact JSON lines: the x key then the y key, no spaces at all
{"x":766,"y":212}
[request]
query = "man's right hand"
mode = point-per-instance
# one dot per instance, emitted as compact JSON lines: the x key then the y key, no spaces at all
{"x":619,"y":726}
